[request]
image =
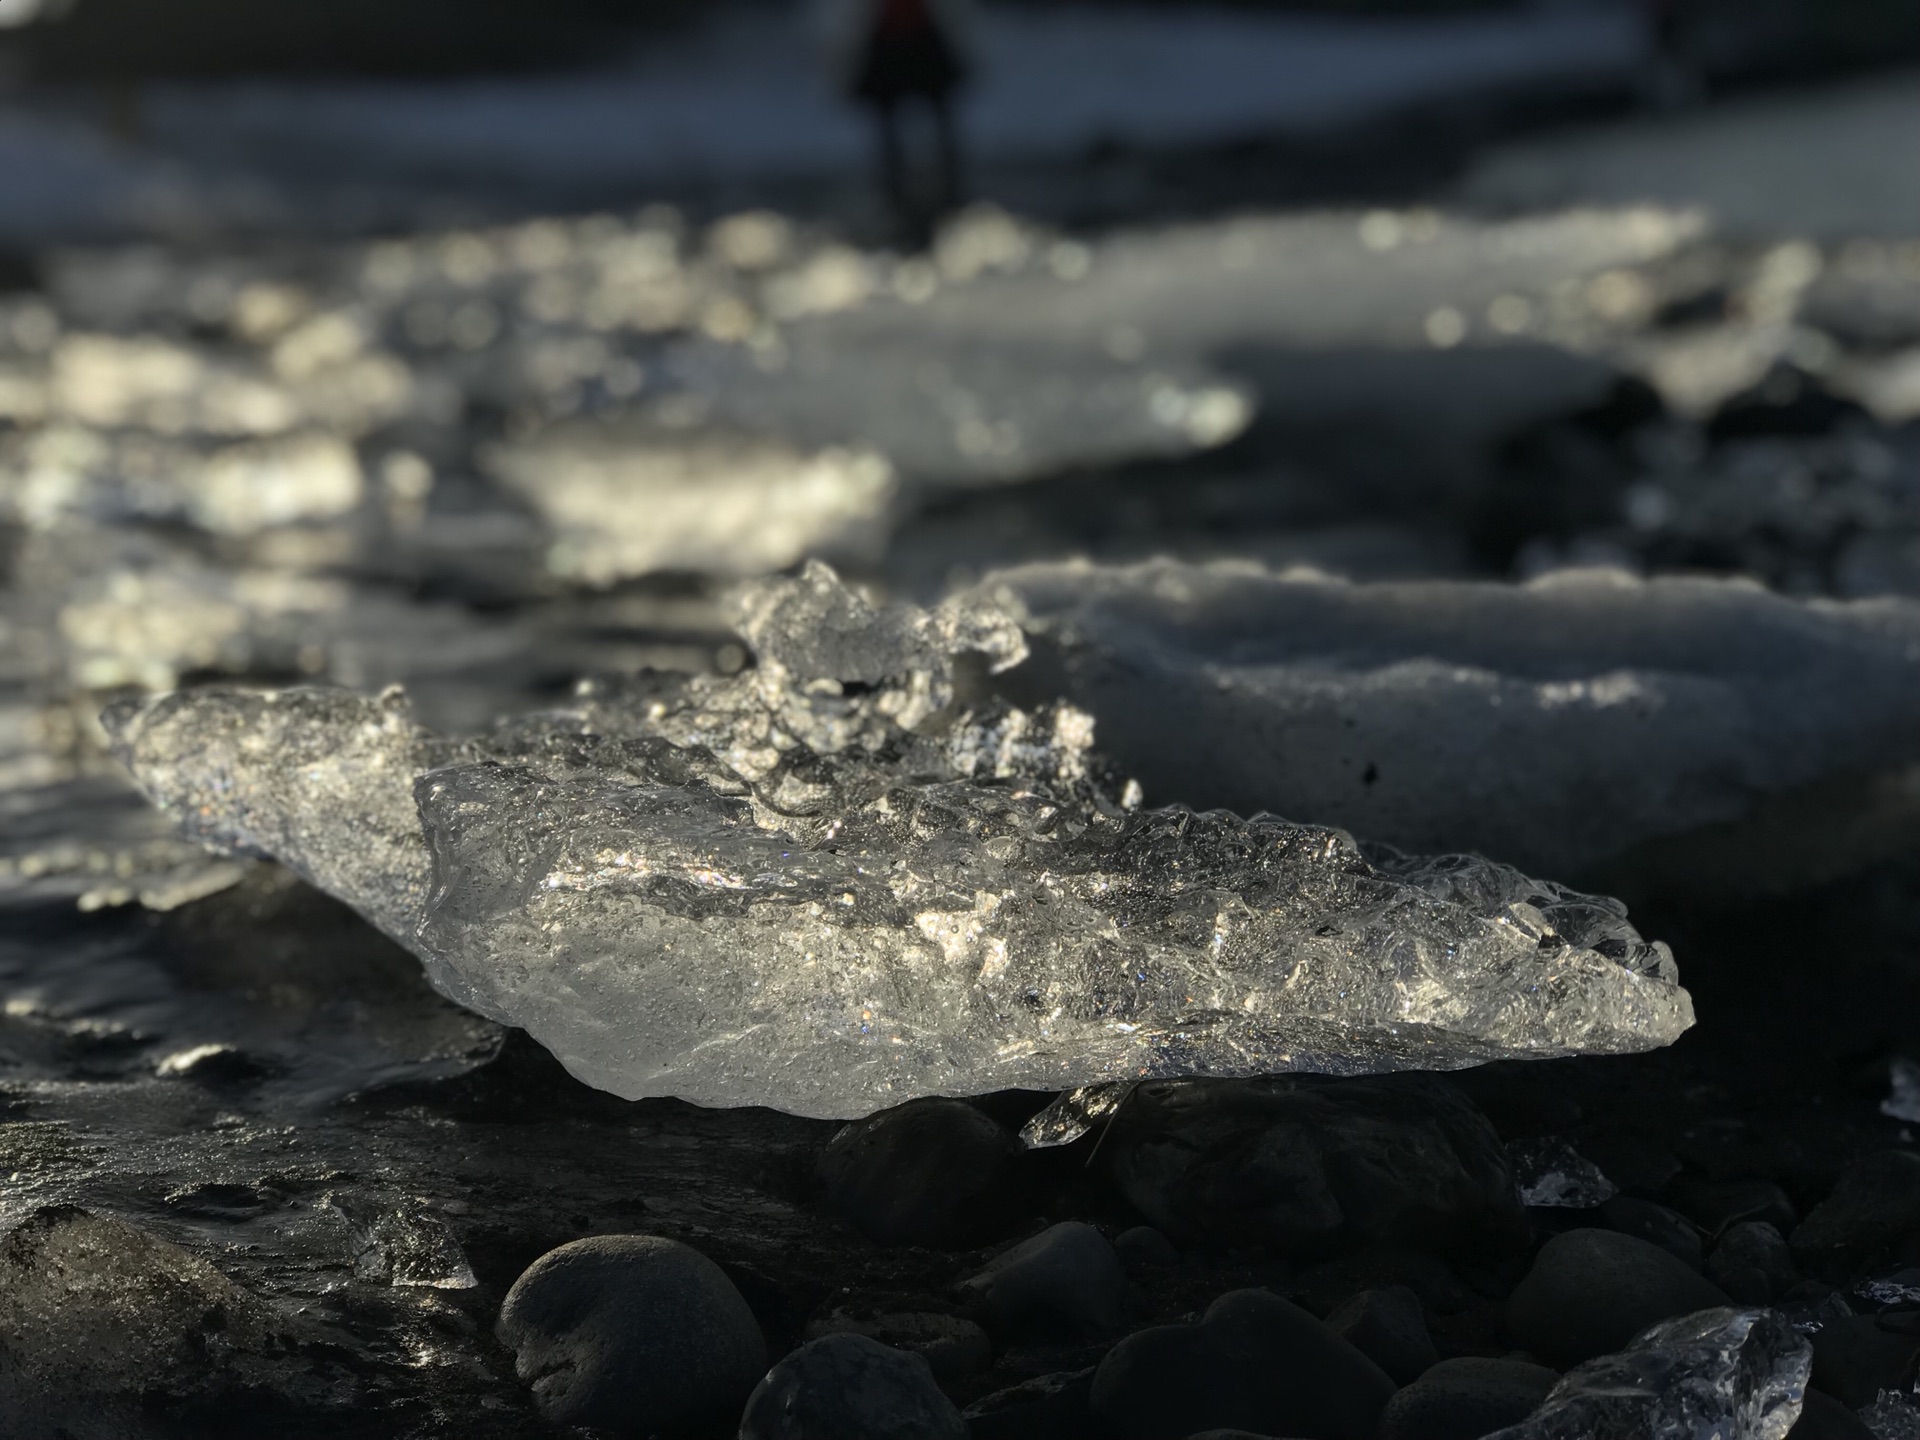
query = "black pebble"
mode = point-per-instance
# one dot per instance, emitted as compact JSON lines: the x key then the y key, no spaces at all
{"x":1145,"y":1248}
{"x":1065,"y":1283}
{"x":1752,"y":1263}
{"x":1297,"y":1166}
{"x":930,"y":1172}
{"x":1874,"y":1208}
{"x":1716,"y":1205}
{"x":1592,"y":1291}
{"x":847,"y":1387}
{"x":1389,"y":1327}
{"x":632,"y":1334}
{"x":1824,"y":1418}
{"x":1854,"y":1359}
{"x":1052,"y":1407}
{"x":952,"y":1344}
{"x":1465,"y":1399}
{"x":1254,"y":1361}
{"x":1668,"y":1229}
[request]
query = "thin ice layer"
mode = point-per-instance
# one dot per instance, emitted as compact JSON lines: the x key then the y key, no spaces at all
{"x":1557,"y":725}
{"x":1731,"y":1374}
{"x":826,"y":886}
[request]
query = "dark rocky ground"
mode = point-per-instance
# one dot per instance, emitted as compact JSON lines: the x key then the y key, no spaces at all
{"x":354,"y":1220}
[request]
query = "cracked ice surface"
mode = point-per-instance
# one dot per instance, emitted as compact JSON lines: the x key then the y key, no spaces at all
{"x":1556,"y":725}
{"x":830,"y":883}
{"x":1731,"y":1374}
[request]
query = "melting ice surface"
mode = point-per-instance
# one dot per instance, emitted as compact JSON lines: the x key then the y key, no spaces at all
{"x":830,"y":883}
{"x":1727,"y":1374}
{"x":1558,"y":725}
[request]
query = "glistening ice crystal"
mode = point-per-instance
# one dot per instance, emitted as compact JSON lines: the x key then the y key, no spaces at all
{"x":830,"y":884}
{"x":1730,"y":1374}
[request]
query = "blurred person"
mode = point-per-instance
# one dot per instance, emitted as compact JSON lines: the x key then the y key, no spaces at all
{"x":894,"y":54}
{"x":1673,"y":77}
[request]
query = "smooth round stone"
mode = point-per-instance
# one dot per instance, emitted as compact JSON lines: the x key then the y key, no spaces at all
{"x":1048,"y":1407}
{"x":1667,"y":1228}
{"x":1389,"y":1327}
{"x":1465,"y":1399}
{"x":1855,"y":1358}
{"x":1873,"y":1208}
{"x":1254,"y":1362}
{"x":1592,"y":1291}
{"x":931,"y":1172}
{"x":1145,"y":1248}
{"x":632,"y":1334}
{"x":1291,"y":1165}
{"x":848,"y":1387}
{"x":1752,"y":1263}
{"x":953,"y":1345}
{"x":1066,"y":1283}
{"x":1824,"y":1418}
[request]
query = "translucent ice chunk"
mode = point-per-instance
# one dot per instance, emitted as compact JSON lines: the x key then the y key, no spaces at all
{"x":1900,"y":1291}
{"x":237,"y":489}
{"x":401,"y":1242}
{"x":1894,"y":1415}
{"x":1552,"y":1173}
{"x":825,"y":885}
{"x":319,"y":780}
{"x":622,"y":499}
{"x":1073,"y":1114}
{"x":1733,"y":1374}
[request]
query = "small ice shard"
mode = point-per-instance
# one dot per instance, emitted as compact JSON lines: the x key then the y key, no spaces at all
{"x":402,"y":1242}
{"x":1894,"y":1415}
{"x":1696,"y":732}
{"x":1900,"y":1291}
{"x":1729,"y":1374}
{"x":1073,"y":1114}
{"x":828,"y":885}
{"x":1903,"y":1101}
{"x":1553,"y":1174}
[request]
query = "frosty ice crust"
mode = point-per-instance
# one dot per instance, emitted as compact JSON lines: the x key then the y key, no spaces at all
{"x":1556,"y":725}
{"x":828,"y":885}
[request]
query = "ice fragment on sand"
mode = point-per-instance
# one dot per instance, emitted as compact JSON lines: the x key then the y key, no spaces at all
{"x":1556,"y":725}
{"x":399,"y":1241}
{"x":1731,"y":1374}
{"x":1552,"y":1173}
{"x":829,"y":886}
